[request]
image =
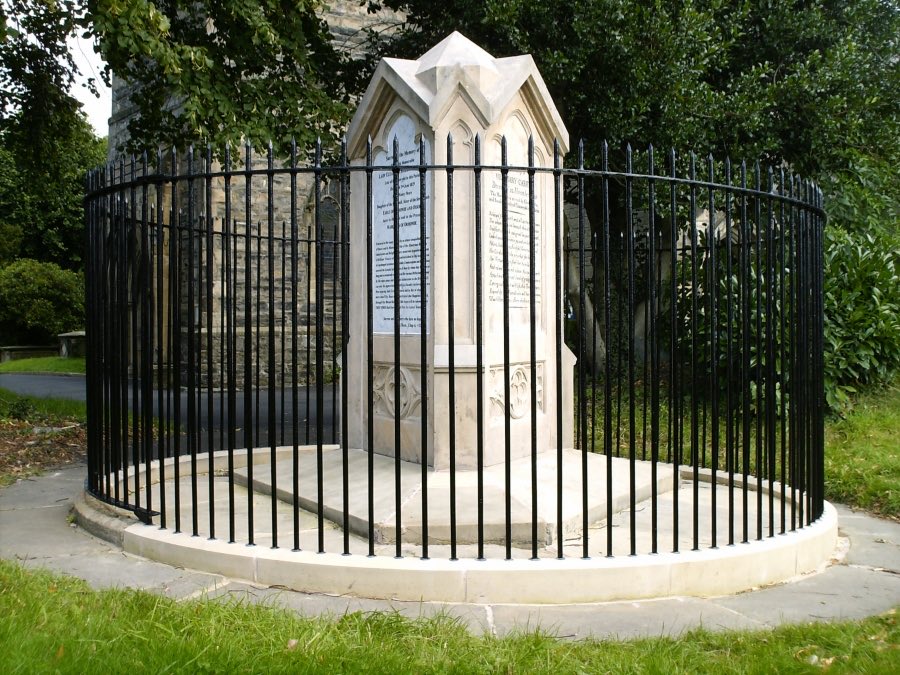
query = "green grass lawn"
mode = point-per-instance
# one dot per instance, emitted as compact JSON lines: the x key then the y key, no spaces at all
{"x":862,"y":454}
{"x":44,"y":364}
{"x":50,"y":410}
{"x":50,"y":623}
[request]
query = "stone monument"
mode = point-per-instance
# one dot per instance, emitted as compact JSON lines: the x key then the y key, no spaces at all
{"x":455,"y":89}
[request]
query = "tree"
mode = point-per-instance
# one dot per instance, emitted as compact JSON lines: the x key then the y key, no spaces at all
{"x":47,"y":143}
{"x":224,"y":70}
{"x":42,"y":189}
{"x":791,"y":81}
{"x":36,"y":68}
{"x":38,"y":301}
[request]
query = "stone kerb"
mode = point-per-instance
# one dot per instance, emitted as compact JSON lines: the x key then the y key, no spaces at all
{"x":459,"y":90}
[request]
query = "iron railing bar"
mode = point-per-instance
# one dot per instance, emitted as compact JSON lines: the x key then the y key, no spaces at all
{"x":192,"y":422}
{"x":650,"y":333}
{"x":395,"y":215}
{"x":712,"y":243}
{"x":451,"y":348}
{"x":210,"y":440}
{"x":632,"y":428}
{"x":295,"y":385}
{"x":231,"y":340}
{"x":424,"y":282}
{"x":559,"y":299}
{"x":271,"y":435}
{"x":248,"y":338}
{"x":729,"y":339}
{"x":582,"y":372}
{"x":479,"y":351}
{"x":344,"y":250}
{"x":695,"y":450}
{"x":507,"y":428}
{"x":320,"y":355}
{"x":370,"y":388}
{"x":532,"y":323}
{"x":607,"y":380}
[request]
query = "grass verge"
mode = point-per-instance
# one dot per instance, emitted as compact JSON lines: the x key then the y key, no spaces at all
{"x":862,"y":454}
{"x":37,"y":409}
{"x":53,"y":623}
{"x":44,"y":364}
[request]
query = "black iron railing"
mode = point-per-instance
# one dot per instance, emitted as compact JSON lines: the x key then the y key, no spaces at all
{"x":221,"y":318}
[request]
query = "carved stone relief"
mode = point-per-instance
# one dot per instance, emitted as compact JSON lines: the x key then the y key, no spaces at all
{"x":519,"y":389}
{"x":385,"y":392}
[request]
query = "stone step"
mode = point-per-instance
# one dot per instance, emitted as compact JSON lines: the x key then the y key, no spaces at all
{"x":438,"y":489}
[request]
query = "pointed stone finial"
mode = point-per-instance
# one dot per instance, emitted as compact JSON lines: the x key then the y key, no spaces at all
{"x":457,"y":69}
{"x":453,"y":56}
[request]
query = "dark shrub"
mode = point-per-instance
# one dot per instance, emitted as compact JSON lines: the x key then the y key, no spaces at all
{"x":38,"y":301}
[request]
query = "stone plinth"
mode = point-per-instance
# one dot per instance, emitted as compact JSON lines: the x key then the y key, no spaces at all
{"x":458,"y":90}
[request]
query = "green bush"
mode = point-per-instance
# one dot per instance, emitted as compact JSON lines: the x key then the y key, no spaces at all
{"x":862,"y":277}
{"x":38,"y":301}
{"x":862,"y":312}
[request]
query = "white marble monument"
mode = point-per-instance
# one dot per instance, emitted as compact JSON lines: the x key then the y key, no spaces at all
{"x":456,"y":88}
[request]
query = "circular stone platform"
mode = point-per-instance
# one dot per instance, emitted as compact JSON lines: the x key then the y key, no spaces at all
{"x":704,"y":572}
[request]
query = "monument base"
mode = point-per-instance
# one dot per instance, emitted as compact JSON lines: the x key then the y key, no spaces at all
{"x":438,"y":491}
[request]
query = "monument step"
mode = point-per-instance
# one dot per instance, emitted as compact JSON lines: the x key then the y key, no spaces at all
{"x":466,"y":488}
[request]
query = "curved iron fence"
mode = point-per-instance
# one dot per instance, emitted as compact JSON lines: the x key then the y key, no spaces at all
{"x":236,"y":303}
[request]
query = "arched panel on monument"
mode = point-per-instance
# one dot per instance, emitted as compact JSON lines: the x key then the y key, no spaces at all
{"x":463,"y":235}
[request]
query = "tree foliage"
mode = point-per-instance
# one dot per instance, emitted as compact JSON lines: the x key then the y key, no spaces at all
{"x":47,"y":144}
{"x":38,"y":301}
{"x":224,"y":70}
{"x":798,"y":80}
{"x":41,"y":201}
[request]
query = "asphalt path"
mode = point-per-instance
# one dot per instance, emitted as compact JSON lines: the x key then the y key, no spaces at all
{"x":205,"y":402}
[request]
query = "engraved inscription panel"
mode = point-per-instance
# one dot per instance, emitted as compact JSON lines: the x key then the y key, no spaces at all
{"x":411,"y":249}
{"x":518,"y":224}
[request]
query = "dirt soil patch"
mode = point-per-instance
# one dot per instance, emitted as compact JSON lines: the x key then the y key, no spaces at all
{"x":28,"y":448}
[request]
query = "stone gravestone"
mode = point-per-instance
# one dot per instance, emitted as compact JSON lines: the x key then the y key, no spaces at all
{"x":456,"y":88}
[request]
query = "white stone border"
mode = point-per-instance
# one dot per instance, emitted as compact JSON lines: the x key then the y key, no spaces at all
{"x":707,"y":572}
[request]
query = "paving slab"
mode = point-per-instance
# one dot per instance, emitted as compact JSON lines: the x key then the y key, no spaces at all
{"x":115,"y":569}
{"x":876,"y":541}
{"x":840,"y":592}
{"x":620,"y":620}
{"x":475,"y":617}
